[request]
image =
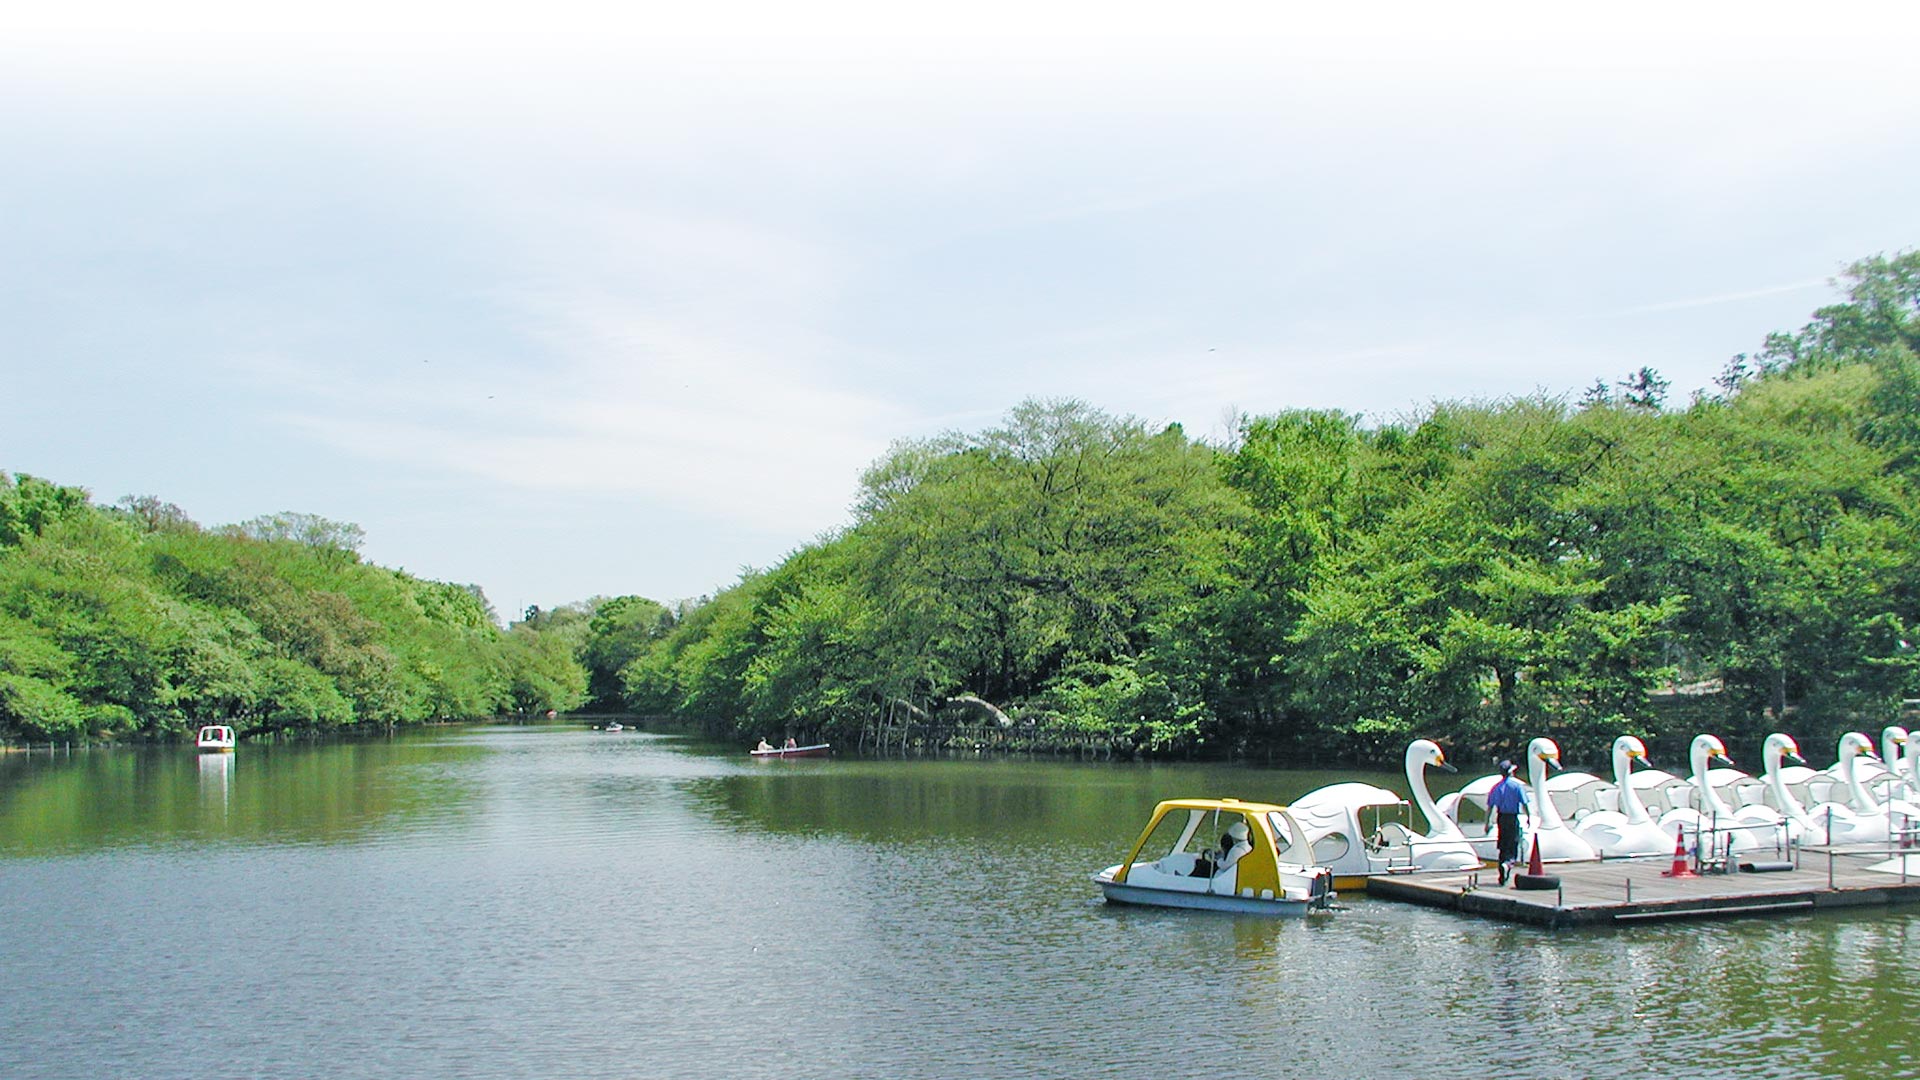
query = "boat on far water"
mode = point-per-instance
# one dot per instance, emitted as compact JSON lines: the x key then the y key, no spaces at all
{"x":615,"y":725}
{"x":1261,"y":865}
{"x":816,"y":750}
{"x":215,"y":739}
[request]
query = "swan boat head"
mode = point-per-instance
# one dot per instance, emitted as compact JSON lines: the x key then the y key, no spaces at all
{"x":1853,"y":747}
{"x":1628,"y":749}
{"x":1422,"y":753}
{"x":1704,"y":751}
{"x":1778,"y":747}
{"x":1893,"y":745}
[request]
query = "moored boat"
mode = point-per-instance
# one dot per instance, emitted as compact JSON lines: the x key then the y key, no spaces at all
{"x":1254,"y":868}
{"x":215,"y":739}
{"x":1331,"y":818}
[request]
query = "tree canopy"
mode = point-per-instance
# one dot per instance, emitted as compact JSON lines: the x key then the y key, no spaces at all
{"x":133,"y":620}
{"x":1477,"y":571}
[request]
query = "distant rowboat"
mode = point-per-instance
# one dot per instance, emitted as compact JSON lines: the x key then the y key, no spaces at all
{"x":816,"y":750}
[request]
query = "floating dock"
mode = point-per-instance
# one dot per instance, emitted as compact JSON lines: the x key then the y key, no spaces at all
{"x":1622,"y":891}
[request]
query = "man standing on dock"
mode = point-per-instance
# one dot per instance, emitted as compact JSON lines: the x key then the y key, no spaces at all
{"x":1505,"y":802}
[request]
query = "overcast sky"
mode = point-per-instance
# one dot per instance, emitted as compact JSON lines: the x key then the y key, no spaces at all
{"x":564,"y":305}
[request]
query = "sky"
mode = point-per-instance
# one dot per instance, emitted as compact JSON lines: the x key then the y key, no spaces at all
{"x":576,"y":300}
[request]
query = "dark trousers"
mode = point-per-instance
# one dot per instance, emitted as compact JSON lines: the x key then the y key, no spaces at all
{"x":1509,"y":837}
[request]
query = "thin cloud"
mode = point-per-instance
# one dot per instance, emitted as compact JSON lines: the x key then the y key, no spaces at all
{"x":1725,"y":298}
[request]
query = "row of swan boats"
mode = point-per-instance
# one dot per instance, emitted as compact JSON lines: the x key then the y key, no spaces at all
{"x":1298,"y":855}
{"x":1862,"y":799}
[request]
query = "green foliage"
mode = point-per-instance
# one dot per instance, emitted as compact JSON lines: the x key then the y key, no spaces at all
{"x":133,"y":620}
{"x":1473,"y":573}
{"x":29,"y":505}
{"x":542,"y":672}
{"x":619,"y":631}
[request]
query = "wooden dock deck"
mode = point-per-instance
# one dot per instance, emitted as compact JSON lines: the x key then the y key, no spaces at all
{"x":1621,"y":891}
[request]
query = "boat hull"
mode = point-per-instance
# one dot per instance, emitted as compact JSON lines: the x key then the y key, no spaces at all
{"x":1119,"y":893}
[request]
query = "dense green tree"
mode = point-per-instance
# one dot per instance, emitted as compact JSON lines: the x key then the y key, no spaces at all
{"x":616,"y":632}
{"x":28,"y":505}
{"x":132,"y":619}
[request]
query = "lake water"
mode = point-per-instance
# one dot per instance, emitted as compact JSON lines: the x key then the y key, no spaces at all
{"x":559,"y":902}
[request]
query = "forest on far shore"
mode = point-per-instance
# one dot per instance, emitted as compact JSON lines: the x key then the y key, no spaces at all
{"x":1478,"y":573}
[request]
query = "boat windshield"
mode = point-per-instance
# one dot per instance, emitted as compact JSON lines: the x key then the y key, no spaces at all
{"x":1192,"y":832}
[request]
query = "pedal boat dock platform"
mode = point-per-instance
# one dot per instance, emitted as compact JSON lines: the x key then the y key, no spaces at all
{"x":1616,"y":892}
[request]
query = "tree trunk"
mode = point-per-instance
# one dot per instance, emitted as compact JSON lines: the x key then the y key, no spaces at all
{"x":988,"y":707}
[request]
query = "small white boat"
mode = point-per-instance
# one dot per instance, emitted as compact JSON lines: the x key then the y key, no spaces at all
{"x":614,"y":725}
{"x":1255,"y":868}
{"x":215,"y":739}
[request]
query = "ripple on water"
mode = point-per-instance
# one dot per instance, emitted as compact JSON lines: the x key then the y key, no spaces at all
{"x":520,"y":902}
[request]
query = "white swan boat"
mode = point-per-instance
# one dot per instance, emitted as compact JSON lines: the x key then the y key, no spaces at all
{"x":215,"y":739}
{"x":1710,"y":812}
{"x":1257,"y":868}
{"x":1862,"y":818}
{"x":1556,"y":842}
{"x":1332,"y":819}
{"x":1894,"y":780}
{"x":1630,"y":830}
{"x":1779,"y":813}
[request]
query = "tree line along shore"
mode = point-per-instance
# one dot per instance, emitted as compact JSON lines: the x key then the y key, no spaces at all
{"x":1313,"y":587}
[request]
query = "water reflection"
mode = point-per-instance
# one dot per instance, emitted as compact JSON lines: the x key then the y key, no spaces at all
{"x":299,"y":792}
{"x":216,"y":780}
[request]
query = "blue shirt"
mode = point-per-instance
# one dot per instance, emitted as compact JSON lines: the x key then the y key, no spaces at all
{"x":1507,"y":797}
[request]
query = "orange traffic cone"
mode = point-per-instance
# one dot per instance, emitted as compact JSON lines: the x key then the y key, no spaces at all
{"x":1680,"y":868}
{"x":1534,"y":866}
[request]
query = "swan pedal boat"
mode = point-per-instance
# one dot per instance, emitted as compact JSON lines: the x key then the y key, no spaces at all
{"x":816,"y":750}
{"x":1331,"y":817}
{"x":215,"y":739}
{"x":1265,"y":879}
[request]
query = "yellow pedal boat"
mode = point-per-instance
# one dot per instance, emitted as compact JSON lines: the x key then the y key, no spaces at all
{"x":1220,"y":855}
